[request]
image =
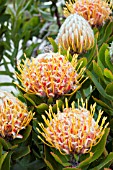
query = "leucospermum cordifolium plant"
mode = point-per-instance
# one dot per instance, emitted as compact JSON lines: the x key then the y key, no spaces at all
{"x":75,"y":33}
{"x":74,"y":130}
{"x":50,"y":75}
{"x":69,"y":88}
{"x":14,"y":116}
{"x":96,"y":12}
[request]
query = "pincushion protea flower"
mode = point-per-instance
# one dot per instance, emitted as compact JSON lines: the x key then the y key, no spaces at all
{"x":73,"y":130}
{"x":76,"y":34}
{"x":96,"y":12}
{"x":13,"y":116}
{"x":50,"y":75}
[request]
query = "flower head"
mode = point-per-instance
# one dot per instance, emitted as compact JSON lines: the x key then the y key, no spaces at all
{"x":14,"y":115}
{"x":96,"y":12}
{"x":73,"y":130}
{"x":50,"y":75}
{"x":76,"y":34}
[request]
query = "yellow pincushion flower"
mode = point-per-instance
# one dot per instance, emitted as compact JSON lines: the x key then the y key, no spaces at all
{"x":50,"y":75}
{"x":96,"y":12}
{"x":74,"y":130}
{"x":75,"y":33}
{"x":14,"y":116}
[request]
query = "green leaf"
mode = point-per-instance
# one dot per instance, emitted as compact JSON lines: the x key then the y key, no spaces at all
{"x":98,"y":70}
{"x":2,"y":2}
{"x":82,"y":62}
{"x":98,"y":86}
{"x":28,"y":97}
{"x":30,"y":49}
{"x":101,"y":56}
{"x":50,"y":161}
{"x":25,"y":135}
{"x":42,"y":108}
{"x":4,"y":18}
{"x":69,"y":168}
{"x":107,"y":160}
{"x":111,"y":125}
{"x":53,"y":43}
{"x":7,"y":161}
{"x":107,"y":33}
{"x":109,"y":89}
{"x":103,"y":104}
{"x":108,"y":74}
{"x":46,"y":15}
{"x":1,"y":148}
{"x":96,"y":151}
{"x":108,"y":60}
{"x":60,"y":104}
{"x":21,"y":152}
{"x":2,"y":158}
{"x":49,"y":164}
{"x":6,"y":73}
{"x":33,"y":22}
{"x":5,"y":143}
{"x":36,"y":165}
{"x":59,"y":160}
{"x":90,"y":55}
{"x":7,"y":84}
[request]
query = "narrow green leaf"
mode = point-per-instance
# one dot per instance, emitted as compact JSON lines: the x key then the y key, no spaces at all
{"x":2,"y":158}
{"x":69,"y":168}
{"x":101,"y":56}
{"x":53,"y":43}
{"x":1,"y":148}
{"x":98,"y":70}
{"x":108,"y":73}
{"x":21,"y":152}
{"x":82,"y":61}
{"x":107,"y":33}
{"x":42,"y":108}
{"x":59,"y":160}
{"x":30,"y":49}
{"x":5,"y":143}
{"x":46,"y":15}
{"x":50,"y":161}
{"x":98,"y":86}
{"x":7,"y":84}
{"x":27,"y":96}
{"x":108,"y":60}
{"x":49,"y":164}
{"x":6,"y":73}
{"x":7,"y":161}
{"x":60,"y":104}
{"x":109,"y":89}
{"x":107,"y":160}
{"x":38,"y":164}
{"x":103,"y":104}
{"x":4,"y":18}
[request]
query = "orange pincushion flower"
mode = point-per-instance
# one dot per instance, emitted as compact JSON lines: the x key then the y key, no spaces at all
{"x":73,"y":130}
{"x":96,"y":12}
{"x":14,"y":115}
{"x":49,"y":75}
